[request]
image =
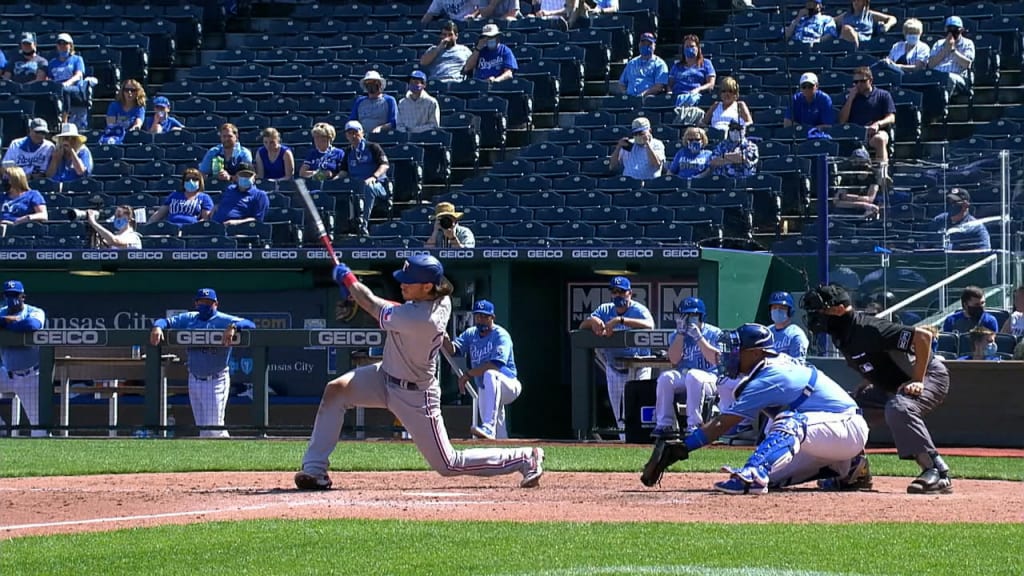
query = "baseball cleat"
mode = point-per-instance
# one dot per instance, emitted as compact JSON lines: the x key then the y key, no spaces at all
{"x":306,"y":481}
{"x":531,"y":478}
{"x":665,"y":432}
{"x":738,"y":486}
{"x":481,"y":432}
{"x":859,"y":477}
{"x":931,"y":481}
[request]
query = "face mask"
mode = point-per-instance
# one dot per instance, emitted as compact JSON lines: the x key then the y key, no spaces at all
{"x":690,"y":51}
{"x":191,"y":185}
{"x":913,"y":38}
{"x":620,"y":301}
{"x":205,"y":311}
{"x":779,"y":316}
{"x":991,"y":349}
{"x":735,"y":136}
{"x":954,"y":31}
{"x":492,"y":44}
{"x":28,"y":53}
{"x":416,"y":87}
{"x":646,"y":50}
{"x":814,"y":11}
{"x":694,"y":146}
{"x":975,"y":311}
{"x":12,"y":303}
{"x":120,"y":223}
{"x":482,"y":327}
{"x":63,"y":53}
{"x":245,"y":182}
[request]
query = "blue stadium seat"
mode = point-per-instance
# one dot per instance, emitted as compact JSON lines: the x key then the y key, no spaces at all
{"x":496,"y":200}
{"x":598,"y":168}
{"x":619,"y":231}
{"x":262,"y":89}
{"x":130,"y":185}
{"x":418,"y":215}
{"x":153,"y":170}
{"x":485,"y":230}
{"x":465,"y":130}
{"x":594,"y":119}
{"x":329,"y":70}
{"x":586,"y":152}
{"x":111,"y":170}
{"x":393,"y":229}
{"x":492,"y":112}
{"x":106,"y":152}
{"x":571,"y":230}
{"x":210,"y":243}
{"x":620,"y":184}
{"x":528,"y":184}
{"x":558,"y":168}
{"x":203,"y":228}
{"x":669,"y":233}
{"x":576,"y":183}
{"x":509,"y":215}
{"x":484,"y":185}
{"x":28,"y":229}
{"x":144,"y":153}
{"x":540,"y":152}
{"x":17,"y":243}
{"x":632,"y":199}
{"x":610,"y":135}
{"x":161,"y":228}
{"x":681,"y":199}
{"x":602,"y":214}
{"x":544,"y":199}
{"x":524,"y":231}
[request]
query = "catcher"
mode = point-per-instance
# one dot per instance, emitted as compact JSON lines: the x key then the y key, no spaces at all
{"x":817,"y":431}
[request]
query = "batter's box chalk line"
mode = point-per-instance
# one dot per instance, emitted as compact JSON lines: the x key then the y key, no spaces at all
{"x":678,"y":570}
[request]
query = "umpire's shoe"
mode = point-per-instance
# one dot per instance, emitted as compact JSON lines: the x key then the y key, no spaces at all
{"x":306,"y":481}
{"x":931,"y":481}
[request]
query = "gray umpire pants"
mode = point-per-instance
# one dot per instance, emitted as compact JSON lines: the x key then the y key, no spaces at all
{"x":905,"y":414}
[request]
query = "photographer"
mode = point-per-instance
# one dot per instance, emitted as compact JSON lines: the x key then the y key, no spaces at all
{"x":447,"y":232}
{"x":124,"y":235}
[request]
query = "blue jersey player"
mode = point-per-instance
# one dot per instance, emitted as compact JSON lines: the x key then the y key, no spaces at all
{"x":696,"y":368}
{"x":817,"y":431}
{"x":790,"y":339}
{"x":208,"y":378}
{"x":493,"y":368}
{"x":20,"y":373}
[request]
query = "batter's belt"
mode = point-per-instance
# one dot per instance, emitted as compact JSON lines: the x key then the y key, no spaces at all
{"x":403,"y":384}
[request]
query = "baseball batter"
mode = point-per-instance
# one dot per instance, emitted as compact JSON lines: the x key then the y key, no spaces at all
{"x":622,"y":313}
{"x":696,"y":369}
{"x":790,"y":339}
{"x":209,"y":381}
{"x":21,"y":363}
{"x":817,"y":431}
{"x":405,"y":382}
{"x":492,"y":366}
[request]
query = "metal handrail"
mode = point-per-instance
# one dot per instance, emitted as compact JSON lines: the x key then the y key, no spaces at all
{"x":887,"y":313}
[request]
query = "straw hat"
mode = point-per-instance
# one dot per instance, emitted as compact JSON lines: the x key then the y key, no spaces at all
{"x":446,"y":209}
{"x":69,"y":130}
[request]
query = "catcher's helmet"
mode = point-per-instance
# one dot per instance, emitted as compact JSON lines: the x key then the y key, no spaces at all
{"x":783,"y":298}
{"x":420,"y":269}
{"x":746,"y":337}
{"x":692,"y":305}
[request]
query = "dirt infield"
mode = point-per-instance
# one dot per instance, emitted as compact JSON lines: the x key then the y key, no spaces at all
{"x":61,"y":505}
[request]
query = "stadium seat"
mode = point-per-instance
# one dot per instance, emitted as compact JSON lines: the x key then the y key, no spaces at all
{"x":619,"y":231}
{"x":483,"y":185}
{"x":524,"y":231}
{"x":545,"y":199}
{"x":602,"y":214}
{"x":161,"y":228}
{"x":528,"y":184}
{"x":203,"y":228}
{"x":509,"y":215}
{"x":573,"y":184}
{"x":571,"y":230}
{"x":496,"y":200}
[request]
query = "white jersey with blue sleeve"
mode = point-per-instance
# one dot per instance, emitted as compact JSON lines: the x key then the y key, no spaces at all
{"x":29,"y":319}
{"x":635,"y":310}
{"x":791,"y":341}
{"x":494,"y":347}
{"x":693,"y":358}
{"x":415,"y":334}
{"x":205,"y":361}
{"x":780,"y":383}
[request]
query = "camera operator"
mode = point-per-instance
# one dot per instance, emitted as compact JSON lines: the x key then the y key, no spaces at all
{"x":447,"y":232}
{"x":124,"y":235}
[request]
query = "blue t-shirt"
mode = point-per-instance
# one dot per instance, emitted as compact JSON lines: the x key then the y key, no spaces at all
{"x":29,"y":319}
{"x":968,"y":234}
{"x":60,"y":70}
{"x":635,"y":310}
{"x":960,"y":323}
{"x":364,"y":159}
{"x":332,"y":159}
{"x":13,"y":208}
{"x":170,"y":123}
{"x":791,"y":340}
{"x":239,"y":154}
{"x":235,"y":204}
{"x":779,"y":382}
{"x":66,"y":172}
{"x":125,"y":118}
{"x":494,"y":61}
{"x":3,"y":60}
{"x":871,"y":108}
{"x":683,"y":78}
{"x":494,"y":347}
{"x":205,"y":361}
{"x":811,"y":29}
{"x":686,"y":164}
{"x":814,"y":113}
{"x":373,"y":112}
{"x":693,"y":358}
{"x":272,"y":170}
{"x":182,"y":210}
{"x":640,"y":74}
{"x":24,"y":71}
{"x":448,"y":65}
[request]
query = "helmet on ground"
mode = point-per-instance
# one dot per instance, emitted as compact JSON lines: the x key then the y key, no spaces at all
{"x":420,"y":269}
{"x":747,"y":337}
{"x":783,"y":298}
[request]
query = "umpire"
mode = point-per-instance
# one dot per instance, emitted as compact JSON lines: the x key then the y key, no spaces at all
{"x":904,"y":381}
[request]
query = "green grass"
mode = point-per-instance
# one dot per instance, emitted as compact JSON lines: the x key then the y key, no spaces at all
{"x":73,"y":457}
{"x":556,"y":549}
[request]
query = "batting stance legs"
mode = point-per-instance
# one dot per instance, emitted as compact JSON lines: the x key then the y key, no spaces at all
{"x":209,"y":399}
{"x":699,"y":386}
{"x":497,"y":391}
{"x":26,"y":385}
{"x":420,"y":413}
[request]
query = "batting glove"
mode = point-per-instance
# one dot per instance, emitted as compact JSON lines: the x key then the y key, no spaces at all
{"x":693,"y":331}
{"x":343,"y":276}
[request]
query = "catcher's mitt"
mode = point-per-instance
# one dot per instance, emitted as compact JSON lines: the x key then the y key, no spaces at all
{"x":665,"y":454}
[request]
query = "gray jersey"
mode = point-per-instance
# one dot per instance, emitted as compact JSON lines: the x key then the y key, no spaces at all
{"x":415,"y":333}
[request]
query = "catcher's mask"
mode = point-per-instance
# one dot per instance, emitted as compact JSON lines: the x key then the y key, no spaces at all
{"x":732,"y":343}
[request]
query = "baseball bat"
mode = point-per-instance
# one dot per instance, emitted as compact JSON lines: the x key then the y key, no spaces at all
{"x":321,"y":230}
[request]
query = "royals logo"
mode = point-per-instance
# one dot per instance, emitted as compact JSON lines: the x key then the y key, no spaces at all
{"x":246,"y":365}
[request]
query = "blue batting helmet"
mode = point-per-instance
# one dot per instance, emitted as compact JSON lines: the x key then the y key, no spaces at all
{"x":783,"y":298}
{"x":420,"y":269}
{"x":746,"y":337}
{"x":693,"y":305}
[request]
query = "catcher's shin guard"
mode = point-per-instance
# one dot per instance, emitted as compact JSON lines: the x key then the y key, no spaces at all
{"x":665,"y":454}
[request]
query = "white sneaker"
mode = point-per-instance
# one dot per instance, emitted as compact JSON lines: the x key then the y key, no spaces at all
{"x":482,"y":432}
{"x":531,"y":478}
{"x":92,"y":80}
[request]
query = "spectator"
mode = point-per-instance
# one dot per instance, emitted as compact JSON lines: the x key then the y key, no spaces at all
{"x":448,"y":233}
{"x":963,"y":229}
{"x":324,"y":161}
{"x":460,"y":10}
{"x":491,"y":60}
{"x":1015,"y":323}
{"x":71,"y":158}
{"x":729,"y":109}
{"x":20,"y":203}
{"x":377,"y":111}
{"x":858,"y":25}
{"x":418,"y":111}
{"x":222,"y":161}
{"x":692,"y":160}
{"x":188,"y":205}
{"x":550,"y":9}
{"x":591,"y":8}
{"x":909,"y":54}
{"x":872,"y":108}
{"x":735,"y":157}
{"x":162,"y":121}
{"x":811,"y":25}
{"x":125,"y":113}
{"x":971,"y":315}
{"x":983,"y":345}
{"x":368,"y":163}
{"x":954,"y":55}
{"x":689,"y":77}
{"x":68,"y":69}
{"x":863,"y":180}
{"x":810,"y":106}
{"x":31,"y":67}
{"x":274,"y":161}
{"x":123,"y":236}
{"x":646,"y":74}
{"x":446,"y":61}
{"x":242,"y":202}
{"x":33,"y":152}
{"x":641,"y":156}
{"x":497,"y":9}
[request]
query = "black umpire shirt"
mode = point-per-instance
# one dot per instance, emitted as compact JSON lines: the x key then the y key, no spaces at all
{"x":880,"y":350}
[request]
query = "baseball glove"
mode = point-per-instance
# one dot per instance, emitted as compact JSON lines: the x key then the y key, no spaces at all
{"x":665,"y":454}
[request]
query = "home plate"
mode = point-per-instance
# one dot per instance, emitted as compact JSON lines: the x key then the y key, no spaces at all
{"x":438,"y":494}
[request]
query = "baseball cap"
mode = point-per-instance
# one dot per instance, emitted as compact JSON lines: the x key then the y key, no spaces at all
{"x":640,"y":124}
{"x":420,"y":269}
{"x":14,"y":287}
{"x":621,"y":282}
{"x":162,"y":101}
{"x":28,"y":38}
{"x":65,"y":37}
{"x":483,"y":307}
{"x":353,"y":125}
{"x":418,"y":74}
{"x":958,"y":195}
{"x":954,"y":22}
{"x":648,"y":37}
{"x":209,"y":293}
{"x":245,"y":168}
{"x":808,"y":78}
{"x":38,"y":125}
{"x":490,"y":30}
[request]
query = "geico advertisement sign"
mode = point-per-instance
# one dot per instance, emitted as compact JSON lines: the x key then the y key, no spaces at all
{"x":207,"y":338}
{"x":346,"y":338}
{"x":75,"y":337}
{"x":647,"y":338}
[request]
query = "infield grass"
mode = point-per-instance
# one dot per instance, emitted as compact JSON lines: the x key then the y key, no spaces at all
{"x":404,"y":548}
{"x":74,"y":457}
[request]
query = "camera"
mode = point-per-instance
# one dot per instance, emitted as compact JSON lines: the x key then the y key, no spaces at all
{"x":447,"y":222}
{"x":74,"y":214}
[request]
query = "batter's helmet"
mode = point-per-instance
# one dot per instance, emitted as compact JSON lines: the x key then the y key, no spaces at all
{"x":420,"y":269}
{"x":13,"y":287}
{"x":693,"y":305}
{"x":783,"y":298}
{"x":746,"y":337}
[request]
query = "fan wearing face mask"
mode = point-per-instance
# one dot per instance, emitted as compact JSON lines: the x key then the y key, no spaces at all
{"x":209,"y":380}
{"x":492,"y":61}
{"x":735,"y":157}
{"x":376,"y":111}
{"x":811,"y":25}
{"x":418,"y":111}
{"x":30,"y":67}
{"x":962,"y":228}
{"x":692,"y":160}
{"x":983,"y":345}
{"x":646,"y":74}
{"x":242,"y":202}
{"x":971,"y":315}
{"x":121,"y":234}
{"x":909,"y":54}
{"x":790,"y":339}
{"x":188,"y":205}
{"x":954,"y":54}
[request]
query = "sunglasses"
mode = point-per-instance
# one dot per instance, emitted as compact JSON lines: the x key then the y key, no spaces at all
{"x":806,"y":86}
{"x":129,"y":90}
{"x":618,"y":291}
{"x":860,"y":80}
{"x":62,"y":43}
